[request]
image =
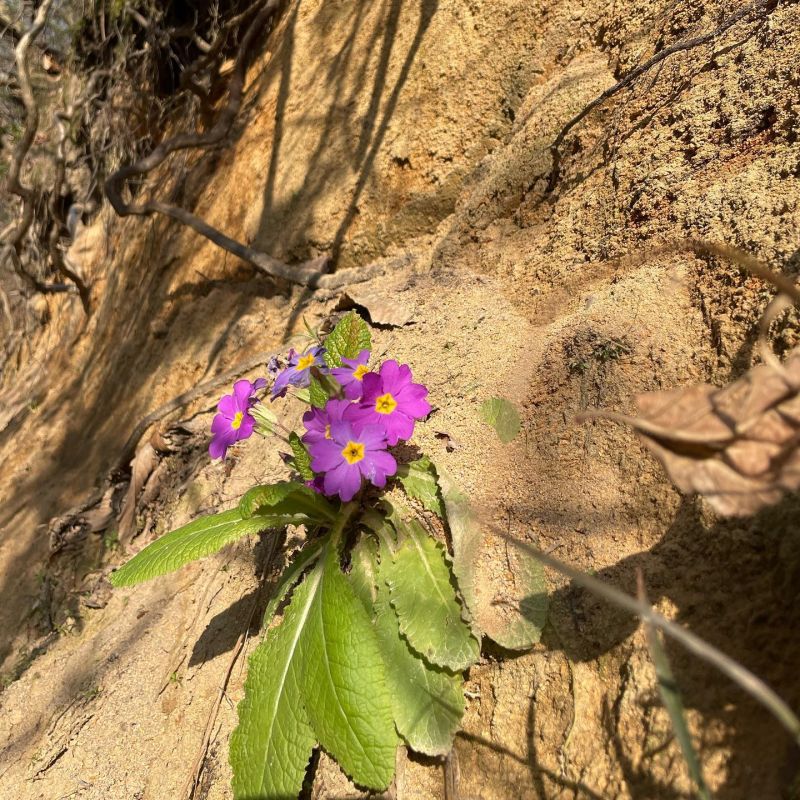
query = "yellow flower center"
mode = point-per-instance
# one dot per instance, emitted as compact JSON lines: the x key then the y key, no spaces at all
{"x":237,"y":420}
{"x":353,"y":452}
{"x":304,"y":362}
{"x":385,"y":404}
{"x":327,"y":431}
{"x":360,"y":371}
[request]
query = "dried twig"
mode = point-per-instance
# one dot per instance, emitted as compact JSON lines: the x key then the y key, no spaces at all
{"x":64,"y":119}
{"x":746,"y":13}
{"x":11,"y":243}
{"x":307,"y":274}
{"x":737,"y":673}
{"x":671,"y":697}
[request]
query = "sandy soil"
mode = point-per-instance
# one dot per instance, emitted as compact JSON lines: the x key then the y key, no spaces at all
{"x":420,"y":133}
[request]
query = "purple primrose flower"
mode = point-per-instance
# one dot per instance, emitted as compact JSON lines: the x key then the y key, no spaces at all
{"x":234,"y":421}
{"x":351,"y":374}
{"x":392,"y":400}
{"x":318,"y":421}
{"x":298,"y":373}
{"x":353,"y":452}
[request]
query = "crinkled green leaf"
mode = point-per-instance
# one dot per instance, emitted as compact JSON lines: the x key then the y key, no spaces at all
{"x":502,"y":416}
{"x":419,"y":481}
{"x":343,"y":679}
{"x":271,"y":747}
{"x":286,"y":497}
{"x":512,"y":613}
{"x":381,"y":526}
{"x":301,"y":561}
{"x":466,"y":538}
{"x":349,"y":337}
{"x":302,"y":460}
{"x":317,"y":394}
{"x":428,"y":702}
{"x":195,"y":540}
{"x":426,"y":604}
{"x":363,"y":577}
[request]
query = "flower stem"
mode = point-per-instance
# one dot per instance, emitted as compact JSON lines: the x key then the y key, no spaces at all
{"x":345,"y":512}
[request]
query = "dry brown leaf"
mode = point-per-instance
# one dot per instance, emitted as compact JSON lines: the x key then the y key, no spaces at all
{"x":736,"y":445}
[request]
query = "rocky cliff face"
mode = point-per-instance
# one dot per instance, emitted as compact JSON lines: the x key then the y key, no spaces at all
{"x":417,"y":136}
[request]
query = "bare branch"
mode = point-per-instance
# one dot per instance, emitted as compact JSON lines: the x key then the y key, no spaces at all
{"x":13,"y":183}
{"x":747,"y":12}
{"x":308,"y":274}
{"x":739,"y":674}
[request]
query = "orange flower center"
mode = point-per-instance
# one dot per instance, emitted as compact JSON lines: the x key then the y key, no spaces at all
{"x":304,"y":362}
{"x":353,"y":452}
{"x":385,"y":404}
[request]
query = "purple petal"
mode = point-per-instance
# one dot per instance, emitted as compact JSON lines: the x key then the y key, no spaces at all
{"x":382,"y":464}
{"x":242,"y":390}
{"x":259,"y":384}
{"x":315,"y":420}
{"x":217,"y":448}
{"x":220,"y":423}
{"x":282,"y":383}
{"x":416,"y":408}
{"x":339,"y":410}
{"x":372,"y":387}
{"x":398,"y":426}
{"x":353,"y":390}
{"x":344,"y":480}
{"x":227,"y":405}
{"x":373,"y":437}
{"x":342,"y":433}
{"x":412,"y":391}
{"x":325,"y":455}
{"x":220,"y":443}
{"x":390,"y":371}
{"x":246,"y":428}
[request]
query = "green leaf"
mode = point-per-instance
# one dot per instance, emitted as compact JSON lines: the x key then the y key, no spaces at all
{"x":302,"y":460}
{"x":272,"y":744}
{"x":426,"y":604}
{"x":301,"y":561}
{"x":466,"y":538}
{"x":286,"y":497}
{"x":502,"y":416}
{"x":303,"y":395}
{"x":317,"y":394}
{"x":524,"y":621}
{"x":513,"y":614}
{"x":349,"y":337}
{"x":265,"y":418}
{"x":381,"y":526}
{"x":363,"y":576}
{"x":419,"y":481}
{"x":428,"y":702}
{"x":195,"y":540}
{"x":343,"y":679}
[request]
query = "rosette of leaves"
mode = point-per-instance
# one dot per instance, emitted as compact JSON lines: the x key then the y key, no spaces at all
{"x":368,"y":633}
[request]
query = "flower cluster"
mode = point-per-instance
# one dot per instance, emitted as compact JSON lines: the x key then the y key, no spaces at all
{"x":348,"y":439}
